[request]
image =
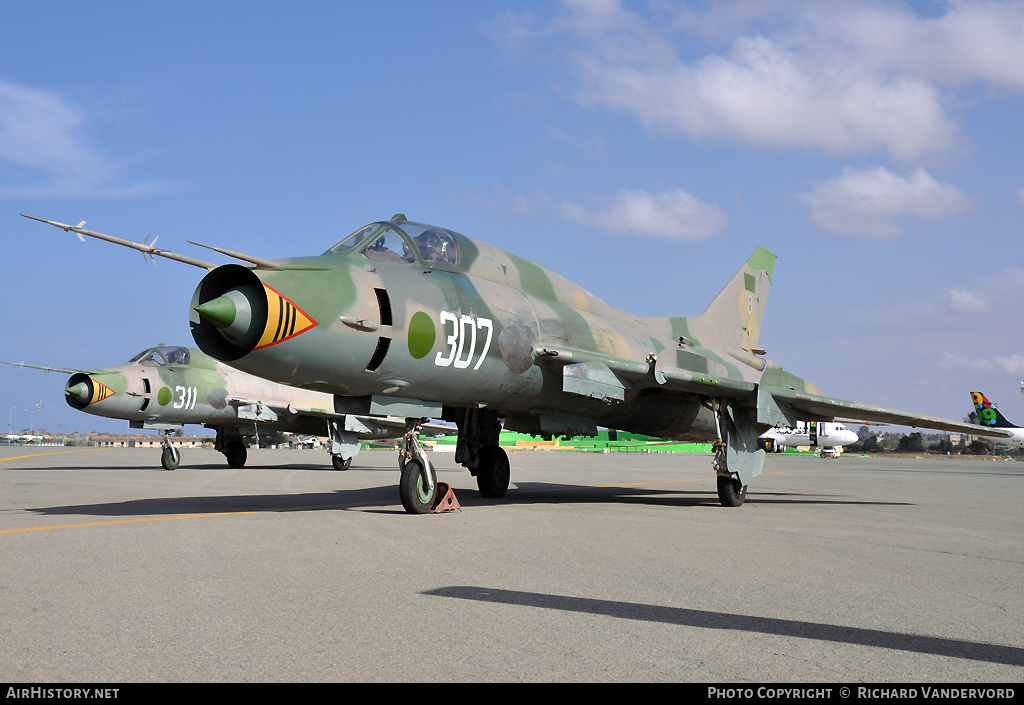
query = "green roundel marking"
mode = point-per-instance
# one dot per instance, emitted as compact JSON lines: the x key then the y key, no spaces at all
{"x":421,"y":335}
{"x":163,"y":397}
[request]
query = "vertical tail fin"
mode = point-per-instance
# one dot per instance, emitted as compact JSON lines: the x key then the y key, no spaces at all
{"x":989,"y":415}
{"x":733,"y":320}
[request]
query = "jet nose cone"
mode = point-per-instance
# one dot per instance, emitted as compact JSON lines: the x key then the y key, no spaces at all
{"x":230,"y":313}
{"x":220,"y":312}
{"x":82,"y":390}
{"x":79,"y":391}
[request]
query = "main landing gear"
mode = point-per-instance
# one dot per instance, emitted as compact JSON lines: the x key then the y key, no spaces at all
{"x":492,"y":474}
{"x":478,"y":451}
{"x":742,"y":449}
{"x":232,"y":448}
{"x":731,"y":492}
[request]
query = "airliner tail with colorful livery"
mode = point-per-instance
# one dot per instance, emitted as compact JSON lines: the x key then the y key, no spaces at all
{"x":989,"y":415}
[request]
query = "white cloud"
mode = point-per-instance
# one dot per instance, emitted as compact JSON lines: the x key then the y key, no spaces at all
{"x":839,"y":76}
{"x":864,"y":202}
{"x":765,"y":94}
{"x":1007,"y":364}
{"x":972,"y":41}
{"x":675,"y":214}
{"x":42,"y":136}
{"x":961,"y":301}
{"x":996,"y":294}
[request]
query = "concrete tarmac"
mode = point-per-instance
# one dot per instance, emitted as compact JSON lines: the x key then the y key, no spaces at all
{"x":618,"y":567}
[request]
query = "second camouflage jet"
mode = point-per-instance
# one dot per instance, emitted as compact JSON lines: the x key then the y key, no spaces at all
{"x":165,"y":387}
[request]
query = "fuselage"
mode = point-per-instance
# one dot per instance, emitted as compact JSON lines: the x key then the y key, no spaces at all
{"x":1018,"y":437}
{"x":823,"y":435}
{"x":404,"y":310}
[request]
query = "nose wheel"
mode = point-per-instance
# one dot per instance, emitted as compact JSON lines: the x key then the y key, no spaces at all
{"x":170,"y":457}
{"x":416,"y":489}
{"x":418,"y":485}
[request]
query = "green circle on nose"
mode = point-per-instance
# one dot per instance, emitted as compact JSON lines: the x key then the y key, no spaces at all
{"x":163,"y":397}
{"x":421,"y":335}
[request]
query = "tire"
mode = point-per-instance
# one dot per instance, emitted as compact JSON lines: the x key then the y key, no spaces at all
{"x":170,"y":459}
{"x":492,"y":477}
{"x":730,"y":492}
{"x":236,"y":454}
{"x":340,"y":463}
{"x":412,"y":488}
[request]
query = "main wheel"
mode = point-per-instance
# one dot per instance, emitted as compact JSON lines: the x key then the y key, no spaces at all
{"x":340,"y":463}
{"x":492,"y":477}
{"x":236,"y":454}
{"x":170,"y":458}
{"x":416,"y":496}
{"x":730,"y":492}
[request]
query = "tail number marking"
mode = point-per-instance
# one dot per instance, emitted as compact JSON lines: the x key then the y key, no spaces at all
{"x":461,"y":341}
{"x":186,"y":397}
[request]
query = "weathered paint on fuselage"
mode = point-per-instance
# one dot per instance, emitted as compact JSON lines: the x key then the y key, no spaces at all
{"x":176,"y":385}
{"x":467,"y":334}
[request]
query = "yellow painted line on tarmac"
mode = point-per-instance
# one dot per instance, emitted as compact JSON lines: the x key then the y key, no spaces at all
{"x":119,"y":521}
{"x":183,"y":516}
{"x":56,"y":452}
{"x":193,"y":516}
{"x":325,"y":506}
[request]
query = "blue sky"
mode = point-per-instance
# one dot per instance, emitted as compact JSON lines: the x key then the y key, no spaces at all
{"x":641,"y":149}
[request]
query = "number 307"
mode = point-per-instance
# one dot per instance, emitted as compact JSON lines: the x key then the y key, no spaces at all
{"x":461,"y":340}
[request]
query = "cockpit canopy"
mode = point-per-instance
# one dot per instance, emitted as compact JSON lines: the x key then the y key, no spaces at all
{"x":163,"y":355}
{"x":401,"y":241}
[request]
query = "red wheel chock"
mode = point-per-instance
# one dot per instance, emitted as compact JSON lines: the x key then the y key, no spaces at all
{"x":445,"y":501}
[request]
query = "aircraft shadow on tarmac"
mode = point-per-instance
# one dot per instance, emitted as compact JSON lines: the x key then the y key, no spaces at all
{"x":208,"y":466}
{"x":219,"y":504}
{"x":706,"y":619}
{"x":552,"y":493}
{"x":360,"y":499}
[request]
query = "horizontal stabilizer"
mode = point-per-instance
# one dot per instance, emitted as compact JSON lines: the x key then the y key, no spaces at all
{"x":681,"y":380}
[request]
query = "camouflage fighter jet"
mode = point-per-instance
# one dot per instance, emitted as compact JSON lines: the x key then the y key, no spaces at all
{"x":165,"y":387}
{"x":417,"y":321}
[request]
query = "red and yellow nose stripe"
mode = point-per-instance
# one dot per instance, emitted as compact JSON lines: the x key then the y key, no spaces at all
{"x":284,"y":319}
{"x":100,"y":392}
{"x":88,"y":391}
